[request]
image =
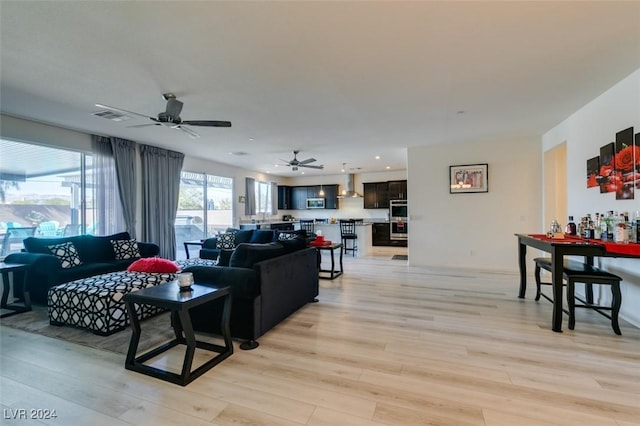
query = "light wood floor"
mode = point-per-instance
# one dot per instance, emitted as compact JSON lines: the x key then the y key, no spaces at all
{"x":386,"y":345}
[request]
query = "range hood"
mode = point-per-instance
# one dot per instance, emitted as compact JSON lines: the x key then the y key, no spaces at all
{"x":349,"y":190}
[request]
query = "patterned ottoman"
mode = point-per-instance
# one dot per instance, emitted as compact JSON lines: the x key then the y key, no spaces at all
{"x":95,"y":303}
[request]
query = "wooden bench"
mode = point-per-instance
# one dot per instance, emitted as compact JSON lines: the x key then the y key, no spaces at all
{"x":574,"y":271}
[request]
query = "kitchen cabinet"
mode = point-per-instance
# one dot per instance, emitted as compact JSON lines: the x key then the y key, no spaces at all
{"x":381,"y":236}
{"x":331,"y":196}
{"x":397,"y":189}
{"x":299,"y":197}
{"x":376,"y":195}
{"x":284,"y":197}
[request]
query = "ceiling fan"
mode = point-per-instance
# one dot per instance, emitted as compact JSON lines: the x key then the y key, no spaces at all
{"x":295,"y":163}
{"x":171,"y":117}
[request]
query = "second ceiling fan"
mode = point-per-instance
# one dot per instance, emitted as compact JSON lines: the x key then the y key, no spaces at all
{"x":295,"y":163}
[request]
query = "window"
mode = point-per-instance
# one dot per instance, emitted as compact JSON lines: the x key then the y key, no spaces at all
{"x":204,"y":208}
{"x":44,"y":191}
{"x":263,"y":198}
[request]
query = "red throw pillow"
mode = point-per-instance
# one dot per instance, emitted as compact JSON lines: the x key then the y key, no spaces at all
{"x":153,"y":264}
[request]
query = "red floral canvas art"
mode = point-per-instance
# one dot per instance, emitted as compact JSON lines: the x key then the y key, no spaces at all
{"x":624,"y":162}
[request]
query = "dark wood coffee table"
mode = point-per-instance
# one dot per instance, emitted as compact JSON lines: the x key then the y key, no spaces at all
{"x":169,"y":296}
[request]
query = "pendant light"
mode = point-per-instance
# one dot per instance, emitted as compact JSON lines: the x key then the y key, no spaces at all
{"x":321,"y":193}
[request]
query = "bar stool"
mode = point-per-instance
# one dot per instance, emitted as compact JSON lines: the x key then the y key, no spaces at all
{"x":308,"y":225}
{"x":348,"y":233}
{"x":573,"y":272}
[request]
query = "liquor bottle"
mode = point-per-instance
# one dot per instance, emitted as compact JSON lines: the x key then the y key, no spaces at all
{"x":597,"y":227}
{"x":590,"y":232}
{"x":571,"y":227}
{"x":621,"y":233}
{"x":636,"y":227}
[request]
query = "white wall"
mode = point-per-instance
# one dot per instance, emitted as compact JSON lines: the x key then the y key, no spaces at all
{"x":585,"y":132}
{"x":473,"y":230}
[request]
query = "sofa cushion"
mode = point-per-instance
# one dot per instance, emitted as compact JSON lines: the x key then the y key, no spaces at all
{"x":263,"y":236}
{"x":41,"y":245}
{"x":100,"y":249}
{"x":67,"y":254}
{"x":246,"y":255}
{"x":226,"y":241}
{"x":153,"y":264}
{"x":244,"y":236}
{"x":126,"y":249}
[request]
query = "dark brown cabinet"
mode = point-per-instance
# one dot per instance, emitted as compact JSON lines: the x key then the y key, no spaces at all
{"x":298,"y":196}
{"x":397,"y":190}
{"x":376,"y":195}
{"x":284,"y":197}
{"x":381,"y":236}
{"x":330,"y":196}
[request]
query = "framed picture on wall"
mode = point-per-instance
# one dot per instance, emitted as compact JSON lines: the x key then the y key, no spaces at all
{"x":593,"y":165}
{"x":605,"y":175}
{"x":468,"y":178}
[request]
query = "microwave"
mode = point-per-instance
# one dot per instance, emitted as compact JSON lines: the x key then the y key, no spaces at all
{"x":315,"y":203}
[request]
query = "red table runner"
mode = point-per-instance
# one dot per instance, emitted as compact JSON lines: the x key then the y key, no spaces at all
{"x":631,"y":249}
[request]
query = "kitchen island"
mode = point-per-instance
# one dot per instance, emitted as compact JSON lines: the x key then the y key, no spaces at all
{"x":331,"y":232}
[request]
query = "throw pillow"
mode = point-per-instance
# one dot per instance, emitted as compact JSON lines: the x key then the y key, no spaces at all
{"x":153,"y":265}
{"x":125,"y":249}
{"x":67,"y":254}
{"x":226,"y":241}
{"x":282,"y":236}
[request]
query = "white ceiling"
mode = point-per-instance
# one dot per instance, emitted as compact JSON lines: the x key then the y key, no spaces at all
{"x":340,"y":81}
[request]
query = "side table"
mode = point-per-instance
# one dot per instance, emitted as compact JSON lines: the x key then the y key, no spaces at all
{"x":332,"y":273}
{"x":170,"y":297}
{"x":17,"y":271}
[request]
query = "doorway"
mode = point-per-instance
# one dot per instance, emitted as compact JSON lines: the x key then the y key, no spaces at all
{"x":555,"y":185}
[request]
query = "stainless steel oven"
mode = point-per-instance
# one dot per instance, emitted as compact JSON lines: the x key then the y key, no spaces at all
{"x":399,"y":228}
{"x":398,"y":215}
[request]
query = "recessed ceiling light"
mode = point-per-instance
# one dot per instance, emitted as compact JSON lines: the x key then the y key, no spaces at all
{"x":239,"y":153}
{"x":388,"y":167}
{"x":377,"y":157}
{"x":460,"y":112}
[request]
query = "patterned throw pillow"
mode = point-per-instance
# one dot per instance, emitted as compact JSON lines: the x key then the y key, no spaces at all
{"x":226,"y":241}
{"x":126,"y":249}
{"x":67,"y":254}
{"x":282,"y":236}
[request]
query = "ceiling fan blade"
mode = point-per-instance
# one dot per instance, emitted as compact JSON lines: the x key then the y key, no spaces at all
{"x":191,"y":133}
{"x":144,"y":125}
{"x":124,"y":111}
{"x":208,"y":123}
{"x":307,"y":161}
{"x":311,"y":167}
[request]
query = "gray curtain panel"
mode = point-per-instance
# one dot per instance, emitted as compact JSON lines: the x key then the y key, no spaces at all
{"x":250,"y":195}
{"x":274,"y":198}
{"x":109,"y":218}
{"x":124,"y":154}
{"x":160,"y":189}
